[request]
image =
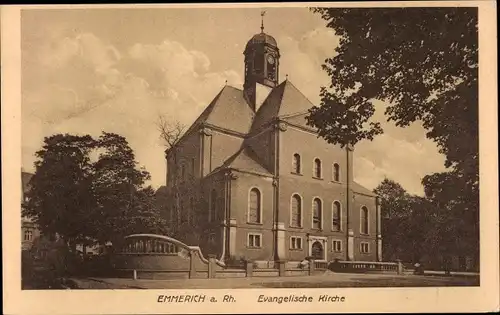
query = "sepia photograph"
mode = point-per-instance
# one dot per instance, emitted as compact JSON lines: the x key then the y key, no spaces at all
{"x":260,"y":147}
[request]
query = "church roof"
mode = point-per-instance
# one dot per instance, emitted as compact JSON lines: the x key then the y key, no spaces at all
{"x":25,"y":180}
{"x":284,"y":101}
{"x":362,"y":190}
{"x":246,"y":160}
{"x":228,"y":110}
{"x":261,"y":38}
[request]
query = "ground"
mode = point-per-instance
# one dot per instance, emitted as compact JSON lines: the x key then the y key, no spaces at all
{"x":326,"y":280}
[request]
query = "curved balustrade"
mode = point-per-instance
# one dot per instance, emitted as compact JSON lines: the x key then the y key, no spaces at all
{"x":142,"y":246}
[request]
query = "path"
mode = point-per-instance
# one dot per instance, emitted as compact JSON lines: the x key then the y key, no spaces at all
{"x":326,"y":280}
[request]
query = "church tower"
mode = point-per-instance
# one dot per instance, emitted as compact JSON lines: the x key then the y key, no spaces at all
{"x":261,"y":67}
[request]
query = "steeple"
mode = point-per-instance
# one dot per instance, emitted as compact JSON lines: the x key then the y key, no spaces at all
{"x":261,"y":65}
{"x":262,"y":21}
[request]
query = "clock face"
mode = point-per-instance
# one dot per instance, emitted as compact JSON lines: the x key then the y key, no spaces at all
{"x":270,"y":59}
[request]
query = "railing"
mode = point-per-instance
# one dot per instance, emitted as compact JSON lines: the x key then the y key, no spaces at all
{"x":148,"y":245}
{"x":361,"y":266}
{"x":319,"y":265}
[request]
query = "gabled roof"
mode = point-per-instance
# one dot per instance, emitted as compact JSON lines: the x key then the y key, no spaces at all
{"x":228,"y":110}
{"x":362,"y":190}
{"x":283,"y":101}
{"x":25,"y":180}
{"x":246,"y":160}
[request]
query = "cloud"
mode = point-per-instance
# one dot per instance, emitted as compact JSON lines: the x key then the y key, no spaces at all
{"x":87,"y":86}
{"x":78,"y":83}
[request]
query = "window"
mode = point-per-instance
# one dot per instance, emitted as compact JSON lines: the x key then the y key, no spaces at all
{"x":336,"y":216}
{"x":296,"y":242}
{"x":317,"y":168}
{"x":254,"y":206}
{"x":254,"y":240}
{"x":296,"y":163}
{"x":364,"y":247}
{"x":364,"y":220}
{"x":336,"y":172}
{"x":337,"y":246}
{"x":28,"y":235}
{"x":317,"y":214}
{"x":296,"y":215}
{"x":213,"y":205}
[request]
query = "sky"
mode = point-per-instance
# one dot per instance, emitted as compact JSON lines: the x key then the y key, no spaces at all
{"x":85,"y":71}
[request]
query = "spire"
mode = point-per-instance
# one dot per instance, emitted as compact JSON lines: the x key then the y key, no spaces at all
{"x":262,"y":21}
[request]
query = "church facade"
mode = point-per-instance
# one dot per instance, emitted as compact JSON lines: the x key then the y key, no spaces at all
{"x":251,"y":179}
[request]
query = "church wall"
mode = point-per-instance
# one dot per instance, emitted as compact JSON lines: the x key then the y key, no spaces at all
{"x":369,"y":202}
{"x":187,"y":154}
{"x":309,"y":146}
{"x":240,"y":189}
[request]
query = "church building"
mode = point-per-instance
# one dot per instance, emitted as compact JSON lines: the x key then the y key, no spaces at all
{"x":250,"y":179}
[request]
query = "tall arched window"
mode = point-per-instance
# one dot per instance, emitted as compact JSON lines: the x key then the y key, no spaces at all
{"x":254,"y":205}
{"x":296,"y":215}
{"x":213,"y":205}
{"x":296,"y":163}
{"x":336,"y":216}
{"x":317,"y":215}
{"x":364,"y":220}
{"x":317,"y":168}
{"x":336,"y":172}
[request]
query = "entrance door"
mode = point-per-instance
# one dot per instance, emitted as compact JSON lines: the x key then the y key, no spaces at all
{"x":317,"y":251}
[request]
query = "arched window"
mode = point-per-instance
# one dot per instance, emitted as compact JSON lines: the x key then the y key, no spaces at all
{"x":254,"y":205}
{"x":296,"y":163}
{"x":336,"y":216}
{"x":296,"y":215}
{"x":213,"y":205}
{"x":317,"y":215}
{"x":336,"y":172}
{"x":28,"y":235}
{"x":364,"y":220}
{"x":317,"y":168}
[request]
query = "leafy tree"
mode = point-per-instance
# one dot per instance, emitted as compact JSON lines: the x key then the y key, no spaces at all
{"x":86,"y":202}
{"x":423,"y":63}
{"x":117,"y":185}
{"x":396,"y":219}
{"x":60,"y":199}
{"x":408,"y":223}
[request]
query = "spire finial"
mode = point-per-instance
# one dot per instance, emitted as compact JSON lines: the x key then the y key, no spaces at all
{"x":225,"y":82}
{"x":286,"y":77}
{"x":262,"y":13}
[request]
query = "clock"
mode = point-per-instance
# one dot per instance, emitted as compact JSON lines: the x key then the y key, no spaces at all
{"x":270,"y":59}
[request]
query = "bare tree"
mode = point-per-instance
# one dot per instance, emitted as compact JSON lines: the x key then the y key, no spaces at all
{"x":171,"y":133}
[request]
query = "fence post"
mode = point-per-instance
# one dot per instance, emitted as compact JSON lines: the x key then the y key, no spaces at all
{"x":400,"y":266}
{"x":311,"y":267}
{"x":281,"y":268}
{"x":211,"y":266}
{"x":249,"y":268}
{"x":192,"y":269}
{"x":134,"y":274}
